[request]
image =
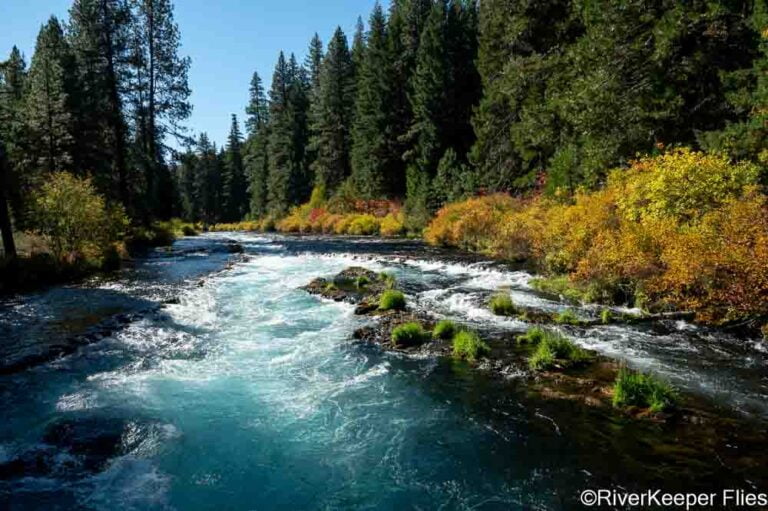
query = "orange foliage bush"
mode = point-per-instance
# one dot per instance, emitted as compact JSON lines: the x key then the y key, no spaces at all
{"x":473,"y":224}
{"x":682,"y":230}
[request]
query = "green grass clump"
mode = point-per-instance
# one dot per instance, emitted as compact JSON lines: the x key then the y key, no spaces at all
{"x":606,"y":316}
{"x":362,"y":281}
{"x":392,"y":299}
{"x":444,"y":329}
{"x":560,"y":285}
{"x":388,"y":279}
{"x":633,"y":388}
{"x":533,"y":336}
{"x":469,"y":346}
{"x":501,"y":304}
{"x":409,"y":334}
{"x":567,"y":317}
{"x":554,"y":349}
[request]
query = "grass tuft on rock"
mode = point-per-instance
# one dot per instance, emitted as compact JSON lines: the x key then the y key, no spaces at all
{"x":409,"y":334}
{"x":567,"y":317}
{"x":533,"y":336}
{"x":606,"y":316}
{"x":445,"y":329}
{"x":392,"y":299}
{"x":388,"y":279}
{"x":469,"y":346}
{"x":554,"y":350}
{"x":633,"y":388}
{"x":501,"y":304}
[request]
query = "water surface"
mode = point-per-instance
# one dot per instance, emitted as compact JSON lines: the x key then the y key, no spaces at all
{"x":245,"y":392}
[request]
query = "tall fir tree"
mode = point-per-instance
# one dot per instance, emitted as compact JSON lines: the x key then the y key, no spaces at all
{"x":313,"y":63}
{"x":257,"y":110}
{"x":49,"y":111}
{"x":376,"y":165}
{"x":332,"y":127}
{"x":429,"y":101}
{"x":358,"y":45}
{"x":159,"y":95}
{"x":256,"y":162}
{"x":405,"y":25}
{"x":235,"y":196}
{"x":98,"y":33}
{"x":13,"y":78}
{"x":256,"y":148}
{"x":288,"y":133}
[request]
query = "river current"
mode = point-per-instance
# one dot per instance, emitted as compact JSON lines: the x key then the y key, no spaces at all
{"x":244,"y":392}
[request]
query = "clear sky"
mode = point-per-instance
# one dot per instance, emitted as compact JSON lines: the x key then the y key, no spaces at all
{"x":227,"y":40}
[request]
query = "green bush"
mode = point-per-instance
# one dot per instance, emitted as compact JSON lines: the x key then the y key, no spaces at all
{"x":501,"y":304}
{"x":445,"y":329}
{"x":633,"y":388}
{"x":364,"y":225}
{"x":567,"y":317}
{"x":75,"y":220}
{"x":391,"y":299}
{"x":469,"y":346}
{"x":409,"y":334}
{"x":189,"y":230}
{"x":554,"y":349}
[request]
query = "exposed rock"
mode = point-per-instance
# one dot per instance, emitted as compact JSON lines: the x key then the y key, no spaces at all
{"x":235,"y":248}
{"x":355,"y":285}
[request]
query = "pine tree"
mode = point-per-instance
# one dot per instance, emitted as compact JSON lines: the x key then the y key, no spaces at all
{"x":235,"y":197}
{"x":314,"y":61}
{"x":256,"y":161}
{"x":13,"y":77}
{"x":159,"y":97}
{"x":404,"y":28}
{"x":6,"y":228}
{"x":49,"y":112}
{"x":287,"y":179}
{"x":376,"y":165}
{"x":429,"y":101}
{"x":98,"y":32}
{"x":464,"y":88}
{"x":257,"y":109}
{"x":208,"y":180}
{"x":332,"y":127}
{"x":313,"y":64}
{"x":358,"y":45}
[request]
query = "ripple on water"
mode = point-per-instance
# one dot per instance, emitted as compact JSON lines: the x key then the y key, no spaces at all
{"x":254,"y":398}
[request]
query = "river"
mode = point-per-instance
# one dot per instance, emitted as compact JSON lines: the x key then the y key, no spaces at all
{"x":225,"y":386}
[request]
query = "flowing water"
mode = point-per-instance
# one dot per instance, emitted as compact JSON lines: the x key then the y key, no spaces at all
{"x":245,"y":392}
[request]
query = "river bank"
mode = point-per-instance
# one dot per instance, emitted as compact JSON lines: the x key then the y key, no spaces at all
{"x":313,"y":418}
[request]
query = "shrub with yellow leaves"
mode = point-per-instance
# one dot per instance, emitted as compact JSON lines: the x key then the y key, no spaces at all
{"x":685,"y":230}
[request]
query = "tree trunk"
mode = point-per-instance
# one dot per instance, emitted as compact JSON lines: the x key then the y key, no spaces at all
{"x":5,"y":216}
{"x":115,"y":105}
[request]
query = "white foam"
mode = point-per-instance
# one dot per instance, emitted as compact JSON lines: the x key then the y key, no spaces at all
{"x":84,"y":400}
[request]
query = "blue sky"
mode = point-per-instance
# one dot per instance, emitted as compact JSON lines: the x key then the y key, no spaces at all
{"x":227,"y":40}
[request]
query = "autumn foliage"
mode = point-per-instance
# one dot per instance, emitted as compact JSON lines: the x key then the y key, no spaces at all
{"x":683,"y":230}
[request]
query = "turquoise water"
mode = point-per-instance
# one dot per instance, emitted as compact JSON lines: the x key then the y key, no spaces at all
{"x":249,"y":394}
